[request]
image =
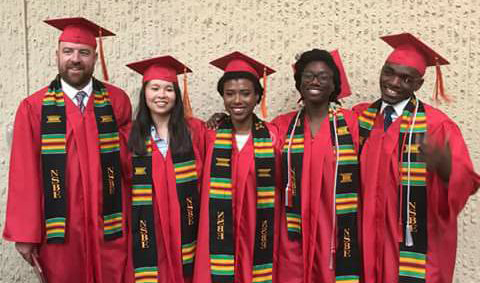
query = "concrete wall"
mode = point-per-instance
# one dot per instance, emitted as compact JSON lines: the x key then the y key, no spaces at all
{"x":274,"y":32}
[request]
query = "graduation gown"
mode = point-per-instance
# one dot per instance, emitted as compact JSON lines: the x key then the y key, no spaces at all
{"x":379,"y":172}
{"x":84,"y":257}
{"x":244,"y":201}
{"x":166,"y":209}
{"x":308,"y":259}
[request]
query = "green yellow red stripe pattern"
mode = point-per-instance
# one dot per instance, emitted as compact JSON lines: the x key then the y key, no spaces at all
{"x":146,"y":274}
{"x":109,"y":142}
{"x":53,"y":144}
{"x":112,"y":223}
{"x":367,"y":118}
{"x":265,"y":197}
{"x":101,"y":99}
{"x":142,"y":194}
{"x":347,"y":279}
{"x":220,"y":188}
{"x":54,"y":97}
{"x":412,"y":264}
{"x":222,"y":264}
{"x":418,"y":173}
{"x":188,"y":252}
{"x":262,"y":273}
{"x":185,"y":171}
{"x":294,"y":222}
{"x":347,"y":155}
{"x":297,"y":144}
{"x":346,"y":203}
{"x":420,"y":125}
{"x":223,"y":139}
{"x":263,"y":147}
{"x":55,"y":227}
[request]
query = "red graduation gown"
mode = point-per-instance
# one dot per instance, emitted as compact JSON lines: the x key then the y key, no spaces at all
{"x":244,"y":202}
{"x":84,"y":257}
{"x":308,"y":260}
{"x":167,"y":209}
{"x":379,"y":164}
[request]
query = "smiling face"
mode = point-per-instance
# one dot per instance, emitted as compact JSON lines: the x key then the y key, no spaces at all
{"x":160,"y":97}
{"x":398,"y":82}
{"x":76,"y":63}
{"x":317,"y":83}
{"x":239,"y":98}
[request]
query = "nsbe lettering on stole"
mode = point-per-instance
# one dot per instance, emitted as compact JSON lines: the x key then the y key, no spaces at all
{"x":347,"y":243}
{"x":264,"y":235}
{"x":111,"y":180}
{"x":189,"y":211}
{"x":220,"y":225}
{"x":144,"y":240}
{"x":412,"y":220}
{"x":55,"y":181}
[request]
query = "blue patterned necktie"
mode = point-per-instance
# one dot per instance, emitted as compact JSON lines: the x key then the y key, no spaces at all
{"x":388,"y":111}
{"x":79,"y":98}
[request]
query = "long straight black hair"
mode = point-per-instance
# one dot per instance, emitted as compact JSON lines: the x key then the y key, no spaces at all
{"x":179,"y":133}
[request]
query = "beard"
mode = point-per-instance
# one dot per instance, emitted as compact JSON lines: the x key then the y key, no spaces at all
{"x":76,"y":75}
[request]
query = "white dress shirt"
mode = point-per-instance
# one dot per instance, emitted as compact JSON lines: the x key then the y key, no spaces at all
{"x":399,"y":107}
{"x":70,"y":91}
{"x":162,"y":144}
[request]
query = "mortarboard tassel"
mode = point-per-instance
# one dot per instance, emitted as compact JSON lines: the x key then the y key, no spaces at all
{"x":439,"y":88}
{"x":187,"y":107}
{"x":102,"y":56}
{"x":264,"y":96}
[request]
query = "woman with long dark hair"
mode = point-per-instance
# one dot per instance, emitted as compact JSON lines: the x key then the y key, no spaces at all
{"x":167,"y":158}
{"x":237,"y":218}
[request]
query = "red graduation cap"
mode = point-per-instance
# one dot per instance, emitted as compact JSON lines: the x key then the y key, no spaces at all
{"x":345,"y":86}
{"x":239,"y":62}
{"x":79,"y":30}
{"x":410,"y":51}
{"x":165,"y":68}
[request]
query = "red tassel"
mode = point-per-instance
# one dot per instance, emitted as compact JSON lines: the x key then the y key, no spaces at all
{"x":187,"y":107}
{"x":102,"y":57}
{"x":439,"y":88}
{"x":264,"y":96}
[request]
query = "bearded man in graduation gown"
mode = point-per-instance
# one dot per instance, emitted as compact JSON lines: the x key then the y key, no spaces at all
{"x":66,"y":199}
{"x":416,"y":173}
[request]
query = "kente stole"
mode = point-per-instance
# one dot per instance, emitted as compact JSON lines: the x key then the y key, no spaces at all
{"x":143,"y":225}
{"x":345,"y":243}
{"x":54,"y":158}
{"x":412,"y":187}
{"x":222,"y":249}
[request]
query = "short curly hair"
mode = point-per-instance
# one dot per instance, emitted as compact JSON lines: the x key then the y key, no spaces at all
{"x":318,"y":55}
{"x":241,"y":75}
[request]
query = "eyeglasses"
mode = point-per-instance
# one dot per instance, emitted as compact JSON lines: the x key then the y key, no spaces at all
{"x":321,"y":77}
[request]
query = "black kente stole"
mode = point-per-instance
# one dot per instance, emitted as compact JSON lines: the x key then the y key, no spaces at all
{"x":54,"y":158}
{"x":345,"y":244}
{"x":143,"y":225}
{"x":412,"y":187}
{"x":222,"y":249}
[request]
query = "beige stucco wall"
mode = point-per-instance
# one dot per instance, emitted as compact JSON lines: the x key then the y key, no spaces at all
{"x":273,"y":31}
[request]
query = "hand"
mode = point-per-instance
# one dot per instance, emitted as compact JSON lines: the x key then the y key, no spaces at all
{"x":27,"y":251}
{"x":215,"y":120}
{"x":438,"y":158}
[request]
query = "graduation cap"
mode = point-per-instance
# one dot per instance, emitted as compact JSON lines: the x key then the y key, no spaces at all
{"x":410,"y":51}
{"x":81,"y":30}
{"x":344,"y":85}
{"x":165,"y":68}
{"x":239,"y":62}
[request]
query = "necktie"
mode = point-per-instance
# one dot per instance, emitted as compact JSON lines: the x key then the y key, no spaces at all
{"x":79,"y":98}
{"x":388,"y":111}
